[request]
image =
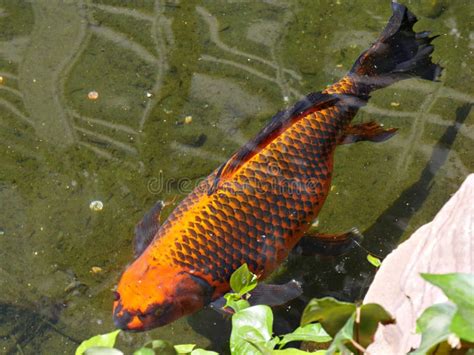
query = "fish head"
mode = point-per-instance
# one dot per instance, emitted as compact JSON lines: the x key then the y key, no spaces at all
{"x":153,"y":296}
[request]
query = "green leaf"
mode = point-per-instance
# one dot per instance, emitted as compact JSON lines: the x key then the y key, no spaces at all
{"x":293,"y":351}
{"x":252,"y":331}
{"x":230,"y":298}
{"x":458,"y":287}
{"x":371,"y":315}
{"x":144,"y":351}
{"x":433,"y":325}
{"x":184,"y":348}
{"x":309,"y":332}
{"x":343,"y":337}
{"x":463,"y":326}
{"x":103,"y":340}
{"x":240,"y":305}
{"x":203,"y":352}
{"x":233,"y":301}
{"x":242,"y":280}
{"x":102,"y":350}
{"x":331,"y":313}
{"x":156,"y":347}
{"x":374,"y":260}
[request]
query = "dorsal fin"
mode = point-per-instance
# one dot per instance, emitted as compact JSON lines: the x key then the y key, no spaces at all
{"x":146,"y":229}
{"x":278,"y":124}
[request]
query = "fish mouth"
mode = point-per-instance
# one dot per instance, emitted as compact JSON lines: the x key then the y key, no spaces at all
{"x":155,"y":316}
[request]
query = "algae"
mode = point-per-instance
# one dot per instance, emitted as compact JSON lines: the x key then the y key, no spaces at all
{"x":230,"y":66}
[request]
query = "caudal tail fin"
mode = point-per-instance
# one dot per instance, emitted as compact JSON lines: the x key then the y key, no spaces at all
{"x":399,"y":53}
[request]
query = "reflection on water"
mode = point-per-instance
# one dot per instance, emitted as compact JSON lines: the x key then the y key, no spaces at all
{"x":227,"y":67}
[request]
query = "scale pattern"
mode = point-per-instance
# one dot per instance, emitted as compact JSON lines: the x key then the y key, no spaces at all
{"x":260,"y":213}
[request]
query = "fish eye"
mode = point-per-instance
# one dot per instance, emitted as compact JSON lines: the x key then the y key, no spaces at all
{"x":116,"y":296}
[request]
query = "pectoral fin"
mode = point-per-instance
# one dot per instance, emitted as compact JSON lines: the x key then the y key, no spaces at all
{"x":329,"y":244}
{"x":369,"y":131}
{"x":275,"y":295}
{"x":146,"y":229}
{"x":268,"y":294}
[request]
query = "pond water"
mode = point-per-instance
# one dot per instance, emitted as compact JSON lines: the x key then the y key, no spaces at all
{"x":125,"y":103}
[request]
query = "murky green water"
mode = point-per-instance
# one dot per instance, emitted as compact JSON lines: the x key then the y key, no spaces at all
{"x":229,"y":65}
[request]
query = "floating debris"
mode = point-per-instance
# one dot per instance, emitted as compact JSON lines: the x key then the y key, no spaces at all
{"x":2,"y":232}
{"x":96,"y":269}
{"x":149,"y":94}
{"x":394,"y":104}
{"x":340,"y":269}
{"x":188,"y":119}
{"x":339,"y":66}
{"x":96,"y":205}
{"x":374,"y":260}
{"x":1,"y":79}
{"x":93,"y":95}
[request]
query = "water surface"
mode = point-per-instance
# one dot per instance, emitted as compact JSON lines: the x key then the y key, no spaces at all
{"x":181,"y":85}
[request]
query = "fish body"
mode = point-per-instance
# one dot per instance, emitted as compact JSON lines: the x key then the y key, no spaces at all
{"x":258,"y":205}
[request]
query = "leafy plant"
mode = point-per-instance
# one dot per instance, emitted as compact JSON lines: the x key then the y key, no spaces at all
{"x":103,"y":344}
{"x":242,"y":281}
{"x":98,"y":341}
{"x":450,"y":321}
{"x":252,"y":327}
{"x":350,"y":327}
{"x":163,"y":347}
{"x":252,"y":330}
{"x":309,"y":332}
{"x":434,"y":325}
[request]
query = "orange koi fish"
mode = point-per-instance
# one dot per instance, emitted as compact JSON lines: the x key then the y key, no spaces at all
{"x":259,"y":204}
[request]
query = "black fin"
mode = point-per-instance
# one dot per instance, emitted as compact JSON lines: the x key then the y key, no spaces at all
{"x":399,"y":53}
{"x":219,"y":306}
{"x":146,"y":229}
{"x":368,"y":131}
{"x":278,"y":124}
{"x":329,"y":244}
{"x":268,"y":294}
{"x":275,"y":295}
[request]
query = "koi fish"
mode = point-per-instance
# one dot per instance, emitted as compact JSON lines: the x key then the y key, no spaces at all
{"x":259,"y":204}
